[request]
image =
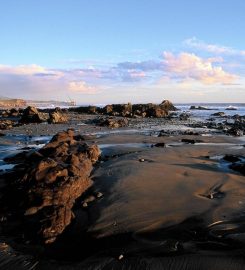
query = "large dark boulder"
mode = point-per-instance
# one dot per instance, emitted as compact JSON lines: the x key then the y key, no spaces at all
{"x":157,"y":112}
{"x":6,"y":124}
{"x":168,"y":106}
{"x":193,"y":107}
{"x":57,"y":117}
{"x":112,"y":122}
{"x":108,"y":109}
{"x":47,"y":184}
{"x":124,"y":110}
{"x":32,"y":115}
{"x":14,"y":112}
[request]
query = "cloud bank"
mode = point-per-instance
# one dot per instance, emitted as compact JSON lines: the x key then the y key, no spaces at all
{"x":184,"y":72}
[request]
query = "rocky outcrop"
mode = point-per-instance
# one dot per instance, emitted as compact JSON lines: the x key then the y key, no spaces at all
{"x":218,"y":114}
{"x":168,"y":106}
{"x":32,"y":115}
{"x":193,"y":107}
{"x":131,"y":110}
{"x":6,"y":124}
{"x":157,"y":112}
{"x":108,"y":109}
{"x":112,"y":122}
{"x":235,"y":131}
{"x":149,"y":110}
{"x":184,"y":116}
{"x":57,"y":117}
{"x":49,"y":181}
{"x":231,"y":108}
{"x":124,"y":110}
{"x":11,"y":113}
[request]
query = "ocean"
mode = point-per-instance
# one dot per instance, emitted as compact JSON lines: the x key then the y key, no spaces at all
{"x":213,"y":108}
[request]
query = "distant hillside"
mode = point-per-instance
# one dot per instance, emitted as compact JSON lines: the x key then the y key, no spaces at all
{"x":7,"y":103}
{"x":11,"y":103}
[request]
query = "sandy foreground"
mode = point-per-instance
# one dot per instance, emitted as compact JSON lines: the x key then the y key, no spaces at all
{"x":173,"y":207}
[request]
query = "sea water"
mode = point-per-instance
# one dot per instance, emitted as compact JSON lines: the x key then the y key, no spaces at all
{"x":213,"y":108}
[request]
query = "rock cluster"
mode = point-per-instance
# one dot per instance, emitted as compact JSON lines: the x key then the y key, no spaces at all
{"x":112,"y":122}
{"x":234,"y":125}
{"x":57,"y":117}
{"x":6,"y":124}
{"x":32,"y":115}
{"x":49,"y":181}
{"x":11,"y":113}
{"x":131,"y":110}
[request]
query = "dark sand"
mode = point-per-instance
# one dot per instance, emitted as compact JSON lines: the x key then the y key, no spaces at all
{"x":173,"y":207}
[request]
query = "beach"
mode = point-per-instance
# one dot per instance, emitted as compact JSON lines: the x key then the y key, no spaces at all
{"x":166,"y":193}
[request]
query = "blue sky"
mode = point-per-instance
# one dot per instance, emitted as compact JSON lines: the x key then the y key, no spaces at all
{"x":101,"y":51}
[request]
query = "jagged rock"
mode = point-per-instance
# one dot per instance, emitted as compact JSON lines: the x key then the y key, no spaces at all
{"x":157,"y":112}
{"x":124,"y":110}
{"x":234,"y":131}
{"x":57,"y":117}
{"x":231,"y":108}
{"x":141,"y":109}
{"x":193,"y":107}
{"x":108,"y":109}
{"x":112,"y":122}
{"x":12,"y":113}
{"x":129,"y":110}
{"x":32,"y":115}
{"x":167,"y":106}
{"x":92,"y":109}
{"x":6,"y":124}
{"x":219,"y":114}
{"x":4,"y":113}
{"x":184,"y":116}
{"x":48,"y":185}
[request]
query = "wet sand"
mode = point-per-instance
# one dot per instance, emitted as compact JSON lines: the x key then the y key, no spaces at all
{"x":173,"y":207}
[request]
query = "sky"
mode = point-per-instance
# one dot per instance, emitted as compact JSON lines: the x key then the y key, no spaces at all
{"x":117,"y":51}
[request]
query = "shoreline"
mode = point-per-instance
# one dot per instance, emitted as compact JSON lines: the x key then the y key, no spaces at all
{"x":176,"y":203}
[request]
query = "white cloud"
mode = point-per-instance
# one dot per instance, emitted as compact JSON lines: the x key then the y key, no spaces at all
{"x":30,"y":70}
{"x":81,"y":87}
{"x":212,"y":48}
{"x":186,"y":66}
